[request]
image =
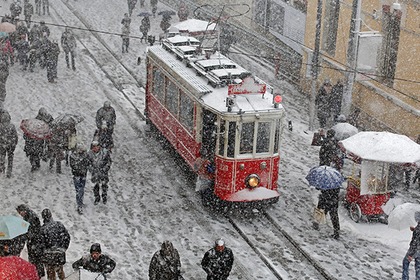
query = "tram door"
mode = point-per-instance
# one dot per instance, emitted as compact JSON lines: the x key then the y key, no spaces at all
{"x":208,"y":145}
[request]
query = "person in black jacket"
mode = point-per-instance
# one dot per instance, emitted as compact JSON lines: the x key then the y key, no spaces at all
{"x":218,"y":261}
{"x":328,"y":154}
{"x":8,"y":142}
{"x":106,"y":117}
{"x":34,"y":245}
{"x":96,"y":261}
{"x":413,"y":252}
{"x":328,"y":201}
{"x":80,"y":164}
{"x":100,"y":163}
{"x":55,"y":238}
{"x":323,"y":103}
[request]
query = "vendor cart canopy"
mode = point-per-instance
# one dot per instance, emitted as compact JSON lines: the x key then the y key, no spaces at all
{"x":381,"y":146}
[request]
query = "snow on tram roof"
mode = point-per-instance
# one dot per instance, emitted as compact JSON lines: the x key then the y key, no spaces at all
{"x":182,"y":39}
{"x":216,"y":97}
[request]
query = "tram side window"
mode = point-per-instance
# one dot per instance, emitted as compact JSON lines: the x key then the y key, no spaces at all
{"x":263,"y":137}
{"x":187,"y":111}
{"x":247,"y":138}
{"x":231,"y":139}
{"x":277,"y":137}
{"x":222,"y":137}
{"x":172,"y":97}
{"x":158,"y":84}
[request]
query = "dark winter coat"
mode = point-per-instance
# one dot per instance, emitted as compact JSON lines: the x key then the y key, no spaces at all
{"x":22,"y":47}
{"x":100,"y":163}
{"x":107,"y":115}
{"x":329,"y":149}
{"x":28,"y":9}
{"x":33,"y":146}
{"x":104,"y":137}
{"x":8,"y":133}
{"x":55,"y":235}
{"x":126,"y":21}
{"x":323,"y":103}
{"x":34,"y":33}
{"x":219,"y":264}
{"x":165,"y":264}
{"x":52,"y":52}
{"x":35,"y":244}
{"x":4,"y":74}
{"x":328,"y":199}
{"x":336,"y":98}
{"x":15,"y":9}
{"x":103,"y":265}
{"x":59,"y":142}
{"x":68,"y":42}
{"x":43,"y":29}
{"x":80,"y":164}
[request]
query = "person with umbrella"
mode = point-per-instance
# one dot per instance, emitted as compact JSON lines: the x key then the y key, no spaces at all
{"x":56,"y":240}
{"x":8,"y":142}
{"x":328,"y":180}
{"x":34,"y":245}
{"x":13,"y":237}
{"x":413,"y":252}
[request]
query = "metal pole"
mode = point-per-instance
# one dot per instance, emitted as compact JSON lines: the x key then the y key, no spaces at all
{"x":315,"y":61}
{"x":351,"y":62}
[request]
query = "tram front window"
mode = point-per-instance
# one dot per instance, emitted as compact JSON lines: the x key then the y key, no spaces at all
{"x":263,"y":137}
{"x":247,"y":138}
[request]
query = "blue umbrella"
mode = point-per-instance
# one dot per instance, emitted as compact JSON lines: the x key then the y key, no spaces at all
{"x":11,"y":227}
{"x":145,"y":14}
{"x":324,"y":178}
{"x":4,"y":35}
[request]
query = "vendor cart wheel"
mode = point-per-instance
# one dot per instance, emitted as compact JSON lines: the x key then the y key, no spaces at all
{"x":355,"y":212}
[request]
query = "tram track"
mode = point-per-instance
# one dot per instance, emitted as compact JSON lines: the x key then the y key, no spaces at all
{"x":190,"y":199}
{"x":283,"y":249}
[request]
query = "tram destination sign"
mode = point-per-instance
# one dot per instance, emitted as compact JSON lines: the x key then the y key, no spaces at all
{"x":247,"y":86}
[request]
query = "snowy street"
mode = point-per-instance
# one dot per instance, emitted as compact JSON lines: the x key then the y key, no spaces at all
{"x":151,"y":197}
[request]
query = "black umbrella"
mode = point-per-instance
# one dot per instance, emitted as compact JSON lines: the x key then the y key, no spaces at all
{"x":167,"y":13}
{"x":145,"y":14}
{"x":66,"y":121}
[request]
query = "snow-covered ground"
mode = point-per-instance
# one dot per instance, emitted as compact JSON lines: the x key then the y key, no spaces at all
{"x":148,"y":200}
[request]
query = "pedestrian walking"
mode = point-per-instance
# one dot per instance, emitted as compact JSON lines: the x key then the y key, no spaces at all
{"x":38,"y":7}
{"x":165,"y":263}
{"x":126,"y":20}
{"x":153,"y":4}
{"x":28,"y":12}
{"x":323,"y":103}
{"x":34,"y":243}
{"x":328,"y":201}
{"x":131,"y":6}
{"x":68,"y":43}
{"x":34,"y":149}
{"x":15,"y":9}
{"x":106,"y":115}
{"x":165,"y":23}
{"x":53,"y":51}
{"x":6,"y":50}
{"x":413,"y":252}
{"x":80,"y":164}
{"x":218,"y":261}
{"x":8,"y":142}
{"x":43,"y":28}
{"x":336,"y":98}
{"x":100,"y":163}
{"x":183,"y":12}
{"x":144,"y":28}
{"x":56,"y":240}
{"x":125,"y":35}
{"x":96,"y":261}
{"x":328,"y":153}
{"x":45,"y":7}
{"x":57,"y":145}
{"x":22,"y":49}
{"x":4,"y":74}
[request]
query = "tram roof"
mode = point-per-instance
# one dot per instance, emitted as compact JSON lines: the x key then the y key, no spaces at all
{"x":210,"y":96}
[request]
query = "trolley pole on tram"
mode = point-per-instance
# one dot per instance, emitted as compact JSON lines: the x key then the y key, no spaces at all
{"x":314,"y":69}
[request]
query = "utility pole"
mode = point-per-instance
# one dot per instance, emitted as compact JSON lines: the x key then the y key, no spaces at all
{"x":315,"y":62}
{"x":349,"y":75}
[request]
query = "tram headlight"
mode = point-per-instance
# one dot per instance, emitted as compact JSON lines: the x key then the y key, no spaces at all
{"x":252,"y":181}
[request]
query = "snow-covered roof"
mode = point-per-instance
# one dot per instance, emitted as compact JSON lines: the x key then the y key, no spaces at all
{"x":178,"y":39}
{"x":193,"y":25}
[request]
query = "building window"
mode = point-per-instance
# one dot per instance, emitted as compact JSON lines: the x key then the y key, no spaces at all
{"x":390,"y":41}
{"x":158,"y":84}
{"x":329,"y":37}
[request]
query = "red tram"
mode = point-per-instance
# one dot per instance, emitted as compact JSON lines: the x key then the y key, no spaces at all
{"x":218,"y":113}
